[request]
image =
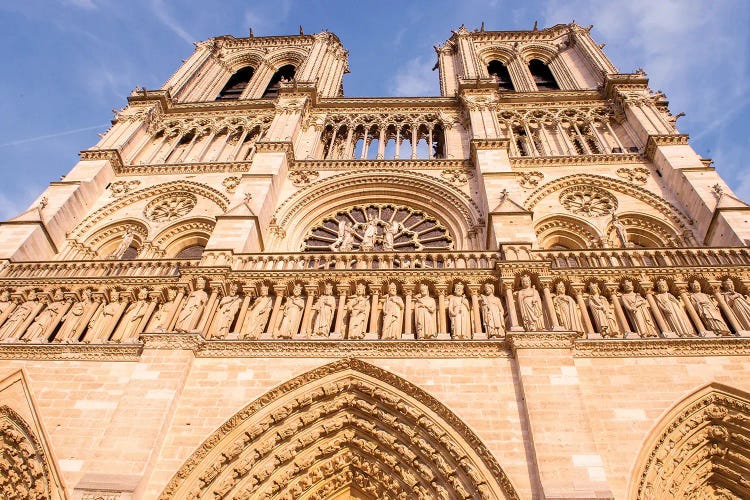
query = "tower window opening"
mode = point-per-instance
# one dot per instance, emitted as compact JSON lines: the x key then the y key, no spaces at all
{"x":284,"y":74}
{"x":502,"y":75}
{"x":236,"y":85}
{"x":542,"y":75}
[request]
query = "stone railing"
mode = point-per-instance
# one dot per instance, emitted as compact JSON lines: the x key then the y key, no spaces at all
{"x":357,"y":260}
{"x":94,"y":269}
{"x":645,"y":257}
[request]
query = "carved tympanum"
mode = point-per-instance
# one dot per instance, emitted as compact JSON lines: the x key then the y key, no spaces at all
{"x":170,"y":206}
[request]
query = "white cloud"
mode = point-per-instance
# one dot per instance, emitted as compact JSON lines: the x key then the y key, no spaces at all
{"x":170,"y":22}
{"x":416,"y":78}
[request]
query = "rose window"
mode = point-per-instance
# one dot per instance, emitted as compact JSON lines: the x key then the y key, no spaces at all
{"x":588,"y":201}
{"x":378,"y":228}
{"x":170,"y":206}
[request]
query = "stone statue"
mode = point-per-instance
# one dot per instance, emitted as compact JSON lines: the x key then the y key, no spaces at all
{"x":424,"y":314}
{"x":601,"y":311}
{"x":102,"y":322}
{"x":164,"y":314}
{"x":131,"y":321}
{"x":5,"y":302}
{"x":672,"y":310}
{"x":11,"y":327}
{"x":359,"y":312}
{"x":530,"y":304}
{"x":292,"y":314}
{"x":493,"y":313}
{"x":369,"y":235}
{"x":393,"y":314}
{"x":257,"y":317}
{"x":619,"y":228}
{"x":389,"y":236}
{"x":324,"y":309}
{"x":737,"y":303}
{"x":228,"y":307}
{"x":347,"y":240}
{"x":125,"y":242}
{"x":336,"y":245}
{"x":638,"y":311}
{"x":75,"y":321}
{"x":188,"y":318}
{"x":709,"y":312}
{"x":43,"y":323}
{"x":459,"y":312}
{"x":566,"y":309}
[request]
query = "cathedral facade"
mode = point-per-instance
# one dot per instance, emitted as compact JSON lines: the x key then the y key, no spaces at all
{"x":530,"y":287}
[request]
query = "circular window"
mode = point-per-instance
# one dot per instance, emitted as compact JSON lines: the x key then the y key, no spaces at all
{"x":588,"y":201}
{"x":170,"y":206}
{"x":378,"y":228}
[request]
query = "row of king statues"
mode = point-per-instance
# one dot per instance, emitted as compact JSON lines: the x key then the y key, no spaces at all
{"x":389,"y":312}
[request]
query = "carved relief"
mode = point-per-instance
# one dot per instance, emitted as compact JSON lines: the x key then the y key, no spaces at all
{"x":231,"y":183}
{"x":530,"y":180}
{"x":170,"y":206}
{"x":457,"y":177}
{"x":302,"y":177}
{"x":120,"y":188}
{"x":588,"y":200}
{"x":296,"y":441}
{"x":637,"y":175}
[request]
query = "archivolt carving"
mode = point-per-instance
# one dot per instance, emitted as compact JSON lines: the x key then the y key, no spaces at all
{"x":669,"y":210}
{"x":169,"y":187}
{"x":700,"y":449}
{"x":646,"y":231}
{"x":346,"y":424}
{"x":454,"y":207}
{"x":24,"y":467}
{"x":116,"y":231}
{"x":570,"y":232}
{"x":183,"y":230}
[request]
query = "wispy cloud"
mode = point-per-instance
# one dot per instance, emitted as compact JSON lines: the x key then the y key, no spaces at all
{"x":415,"y":78}
{"x":18,"y":142}
{"x":170,"y":22}
{"x":83,"y":4}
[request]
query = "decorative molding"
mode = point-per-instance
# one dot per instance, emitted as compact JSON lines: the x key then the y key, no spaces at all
{"x":637,"y":175}
{"x":554,"y":161}
{"x":349,"y":165}
{"x":110,"y":155}
{"x":540,"y":340}
{"x":72,"y":352}
{"x":661,"y":347}
{"x":655,"y":141}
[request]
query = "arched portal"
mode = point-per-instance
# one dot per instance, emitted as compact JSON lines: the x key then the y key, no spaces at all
{"x":699,"y":450}
{"x":344,"y":430}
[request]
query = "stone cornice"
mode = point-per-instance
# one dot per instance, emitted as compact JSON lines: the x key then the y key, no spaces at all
{"x":623,"y":81}
{"x":349,"y":104}
{"x":549,"y":161}
{"x":627,"y":348}
{"x":110,"y":155}
{"x":326,"y":348}
{"x":72,"y":352}
{"x":540,"y":340}
{"x":549,"y":97}
{"x":185,"y":168}
{"x":321,"y":165}
{"x":654,"y":141}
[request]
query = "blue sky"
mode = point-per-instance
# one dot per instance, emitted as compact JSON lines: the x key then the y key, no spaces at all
{"x":70,"y":62}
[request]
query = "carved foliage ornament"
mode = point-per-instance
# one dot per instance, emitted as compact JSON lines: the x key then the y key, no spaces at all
{"x":378,"y":227}
{"x":120,"y":188}
{"x":170,"y":206}
{"x":637,"y":175}
{"x":457,"y":177}
{"x":302,"y":177}
{"x":588,"y":201}
{"x":24,"y":473}
{"x":529,"y":180}
{"x":231,"y":183}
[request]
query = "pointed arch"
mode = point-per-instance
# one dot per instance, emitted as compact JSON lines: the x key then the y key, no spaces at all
{"x":672,"y":215}
{"x":299,"y":213}
{"x":149,"y":192}
{"x":699,"y":449}
{"x":570,"y":232}
{"x":183,"y":234}
{"x":344,"y":426}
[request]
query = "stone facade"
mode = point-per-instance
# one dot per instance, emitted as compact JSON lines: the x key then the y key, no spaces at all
{"x":255,"y":287}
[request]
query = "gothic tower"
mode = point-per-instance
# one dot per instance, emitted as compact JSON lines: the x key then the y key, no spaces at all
{"x":256,"y":287}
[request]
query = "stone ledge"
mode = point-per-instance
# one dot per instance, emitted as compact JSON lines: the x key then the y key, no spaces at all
{"x":72,"y":352}
{"x":634,"y":348}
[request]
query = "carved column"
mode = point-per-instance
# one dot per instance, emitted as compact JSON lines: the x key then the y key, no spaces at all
{"x":619,"y":313}
{"x":307,"y":315}
{"x":682,"y":289}
{"x":550,"y":306}
{"x":511,"y":306}
{"x":273,"y":324}
{"x":577,"y":289}
{"x":725,"y":309}
{"x":476,"y":317}
{"x":338,"y":331}
{"x":442,"y":312}
{"x":408,"y":311}
{"x":243,"y":309}
{"x":210,"y":308}
{"x":374,"y":312}
{"x":177,"y":306}
{"x":655,"y":311}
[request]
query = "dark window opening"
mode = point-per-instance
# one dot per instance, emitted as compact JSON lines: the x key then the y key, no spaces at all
{"x":284,"y":74}
{"x":130,"y":254}
{"x":542,"y":75}
{"x":501,"y":74}
{"x":236,"y":84}
{"x":191,"y":252}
